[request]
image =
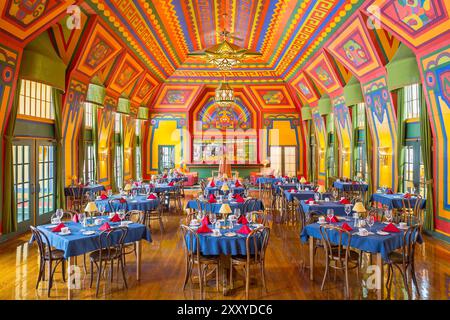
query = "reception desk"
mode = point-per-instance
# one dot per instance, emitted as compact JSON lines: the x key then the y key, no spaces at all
{"x":205,"y":170}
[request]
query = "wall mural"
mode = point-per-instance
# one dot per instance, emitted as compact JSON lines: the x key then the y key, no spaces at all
{"x":144,"y":88}
{"x":8,"y":64}
{"x":105,"y":118}
{"x":272,"y":97}
{"x":383,"y":124}
{"x":176,"y":96}
{"x":323,"y":73}
{"x":343,"y":125}
{"x":436,"y":73}
{"x":129,"y":127}
{"x":72,"y":117}
{"x":127,"y":72}
{"x":305,"y":88}
{"x":321,"y":138}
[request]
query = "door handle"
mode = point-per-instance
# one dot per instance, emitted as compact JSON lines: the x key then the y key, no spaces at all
{"x":32,"y":188}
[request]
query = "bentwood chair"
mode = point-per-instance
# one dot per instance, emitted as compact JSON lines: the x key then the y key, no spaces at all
{"x":135,"y":216}
{"x":48,"y":255}
{"x":250,"y":205}
{"x":338,"y":254}
{"x":68,"y":215}
{"x":194,"y":258}
{"x":117,"y":204}
{"x":76,"y":198}
{"x":404,"y":260}
{"x":255,"y":246}
{"x":111,"y":251}
{"x":411,"y":210}
{"x":156,"y":214}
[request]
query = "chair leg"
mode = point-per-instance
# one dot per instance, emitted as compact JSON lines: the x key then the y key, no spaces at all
{"x":263,"y":276}
{"x":200,"y":279}
{"x":41,"y":272}
{"x":405,"y":281}
{"x":92,"y":275}
{"x":50,"y":277}
{"x":388,"y":282}
{"x":326,"y":272}
{"x":413,"y":276}
{"x":231,"y":275}
{"x":217,"y":276}
{"x":100,"y":270}
{"x":247,"y":280}
{"x":347,"y":293}
{"x":63,"y":271}
{"x":123,"y":273}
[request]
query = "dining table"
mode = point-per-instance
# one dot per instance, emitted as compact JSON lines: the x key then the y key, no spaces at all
{"x":90,"y":188}
{"x":139,"y":202}
{"x":77,"y":242}
{"x":215,"y":207}
{"x":379,"y":245}
{"x":303,"y":195}
{"x":395,"y":200}
{"x":323,"y":206}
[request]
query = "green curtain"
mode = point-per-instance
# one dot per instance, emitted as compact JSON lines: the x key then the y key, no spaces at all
{"x":60,"y":197}
{"x":400,"y":136}
{"x":112,"y":147}
{"x":81,"y":149}
{"x":308,"y":147}
{"x":426,"y":140}
{"x":95,"y":140}
{"x":9,"y":198}
{"x":355,"y":138}
{"x":369,"y":151}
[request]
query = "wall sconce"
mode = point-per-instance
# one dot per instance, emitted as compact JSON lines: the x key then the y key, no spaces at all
{"x":103,"y":154}
{"x":345,"y":154}
{"x":384,"y":155}
{"x":128,"y":152}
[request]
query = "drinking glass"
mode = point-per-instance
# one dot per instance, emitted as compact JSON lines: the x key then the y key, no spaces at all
{"x":59,"y":213}
{"x":348,"y":209}
{"x":212,"y":218}
{"x":370,"y":221}
{"x":316,"y":196}
{"x":335,"y":194}
{"x":82,"y":219}
{"x":102,"y":209}
{"x":237,"y":212}
{"x":110,"y":193}
{"x":388,"y":215}
{"x":330,"y":214}
{"x":121,"y":214}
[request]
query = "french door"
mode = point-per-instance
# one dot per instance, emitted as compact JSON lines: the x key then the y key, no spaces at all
{"x":166,"y":158}
{"x":34,"y":170}
{"x":284,"y":159}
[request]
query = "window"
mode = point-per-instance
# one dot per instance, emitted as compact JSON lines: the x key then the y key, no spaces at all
{"x":118,"y":123}
{"x":330,"y":156}
{"x":89,"y":163}
{"x":138,"y":163}
{"x":88,"y":114}
{"x":412,"y":101}
{"x":360,"y":115}
{"x":283,"y":159}
{"x":22,"y":181}
{"x":360,"y":161}
{"x":238,"y":150}
{"x":46,"y":182}
{"x":35,"y":100}
{"x":118,"y":165}
{"x":138,"y":128}
{"x":413,"y":169}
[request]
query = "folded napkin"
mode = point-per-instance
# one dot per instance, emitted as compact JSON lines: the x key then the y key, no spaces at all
{"x":310,"y":200}
{"x":123,"y":200}
{"x":286,"y":177}
{"x":58,"y":227}
{"x":333,"y":219}
{"x":242,"y":220}
{"x":151,"y":197}
{"x":292,"y":190}
{"x":354,"y":182}
{"x":244,"y":229}
{"x":271,"y":176}
{"x":212,"y":184}
{"x":346,"y":227}
{"x":171,"y":184}
{"x":239,"y":198}
{"x":238,"y":184}
{"x":391,"y":228}
{"x":344,"y":201}
{"x":103,"y":197}
{"x":279,"y":183}
{"x":407,"y":195}
{"x":389,"y":191}
{"x":115,"y":218}
{"x":204,"y":229}
{"x":103,"y":193}
{"x":75,"y":218}
{"x":205,"y":220}
{"x":105,"y":226}
{"x":136,"y":184}
{"x":212,"y":198}
{"x":165,"y":176}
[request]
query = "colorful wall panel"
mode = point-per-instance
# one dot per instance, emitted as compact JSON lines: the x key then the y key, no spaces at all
{"x":176,"y":96}
{"x":105,"y":127}
{"x":321,"y":140}
{"x":272,"y":97}
{"x":343,"y":125}
{"x":129,"y":128}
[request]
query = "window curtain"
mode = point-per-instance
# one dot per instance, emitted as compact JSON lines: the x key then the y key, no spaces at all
{"x":112,"y":174}
{"x":308,"y":143}
{"x":95,"y":140}
{"x":369,"y":151}
{"x":60,"y":196}
{"x":9,"y":197}
{"x":81,"y":150}
{"x":134,"y":145}
{"x":355,"y":138}
{"x":400,"y":136}
{"x":426,"y":140}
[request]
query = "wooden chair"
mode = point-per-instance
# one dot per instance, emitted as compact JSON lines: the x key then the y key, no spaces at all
{"x":250,"y":205}
{"x":195,"y":258}
{"x":48,"y":255}
{"x":411,"y":211}
{"x":68,"y":215}
{"x":156,"y":214}
{"x":404,"y":260}
{"x":110,"y":252}
{"x":255,"y":245}
{"x":76,"y":198}
{"x":117,"y":204}
{"x":136,"y":216}
{"x":338,"y":254}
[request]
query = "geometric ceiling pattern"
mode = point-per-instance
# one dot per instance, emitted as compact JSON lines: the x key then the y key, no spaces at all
{"x":162,"y":33}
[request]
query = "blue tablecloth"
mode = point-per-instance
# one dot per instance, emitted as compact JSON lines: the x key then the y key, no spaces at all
{"x":286,"y":186}
{"x":303,"y":195}
{"x":235,"y":190}
{"x":76,"y":243}
{"x":372,"y":243}
{"x":349,"y":186}
{"x":215,"y":207}
{"x":210,"y":245}
{"x":263,"y":180}
{"x":394,"y":200}
{"x":158,"y":188}
{"x":176,"y":179}
{"x":138,"y":203}
{"x":90,"y":188}
{"x":339,"y":209}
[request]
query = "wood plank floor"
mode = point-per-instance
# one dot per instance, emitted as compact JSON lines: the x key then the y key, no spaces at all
{"x":163,"y":272}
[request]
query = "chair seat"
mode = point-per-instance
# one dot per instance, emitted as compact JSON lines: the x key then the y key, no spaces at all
{"x":241,"y":258}
{"x":353,"y":255}
{"x":113,"y":253}
{"x":396,"y":257}
{"x":208,"y":259}
{"x":55,"y":254}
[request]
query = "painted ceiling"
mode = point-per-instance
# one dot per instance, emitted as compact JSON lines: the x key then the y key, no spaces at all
{"x":162,"y":33}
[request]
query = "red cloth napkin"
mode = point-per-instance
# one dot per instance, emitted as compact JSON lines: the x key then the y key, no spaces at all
{"x":136,"y":184}
{"x":244,"y":229}
{"x":333,"y":219}
{"x":204,"y":229}
{"x":58,"y":227}
{"x":103,"y":197}
{"x":407,"y":195}
{"x":115,"y":218}
{"x":279,"y":183}
{"x":212,"y":198}
{"x":345,"y":226}
{"x":309,"y":200}
{"x":239,"y":198}
{"x":171,"y":184}
{"x":123,"y":200}
{"x":344,"y":201}
{"x":165,"y":176}
{"x":103,"y":193}
{"x":389,"y":191}
{"x":292,"y":190}
{"x":105,"y":226}
{"x":242,"y":220}
{"x":75,"y":218}
{"x":151,"y":197}
{"x":271,"y":176}
{"x":286,"y":177}
{"x":212,"y":184}
{"x":238,"y":184}
{"x":391,"y":228}
{"x":205,"y":220}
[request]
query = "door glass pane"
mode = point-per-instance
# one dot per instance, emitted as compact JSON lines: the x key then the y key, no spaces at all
{"x":275,"y":159}
{"x":289,"y":161}
{"x":46,"y":180}
{"x":21,"y":181}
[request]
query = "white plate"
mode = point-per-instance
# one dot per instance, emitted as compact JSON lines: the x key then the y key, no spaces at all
{"x":50,"y":226}
{"x":230,"y":234}
{"x":216,"y":235}
{"x":88,"y":233}
{"x":403,"y":228}
{"x":64,"y":234}
{"x":382,"y":233}
{"x":323,"y":222}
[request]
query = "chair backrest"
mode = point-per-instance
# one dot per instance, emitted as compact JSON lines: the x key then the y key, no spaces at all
{"x":117,"y":204}
{"x":260,"y":216}
{"x":203,"y":185}
{"x":412,"y":209}
{"x":41,"y":240}
{"x":250,"y":205}
{"x":191,"y":241}
{"x":76,"y":192}
{"x":199,"y":206}
{"x":112,"y":239}
{"x":312,"y":216}
{"x":135,"y":216}
{"x":257,"y":240}
{"x":68,"y":215}
{"x":409,"y":242}
{"x":341,"y":246}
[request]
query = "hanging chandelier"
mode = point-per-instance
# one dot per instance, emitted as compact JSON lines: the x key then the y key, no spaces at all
{"x":225,"y":55}
{"x":224,"y":94}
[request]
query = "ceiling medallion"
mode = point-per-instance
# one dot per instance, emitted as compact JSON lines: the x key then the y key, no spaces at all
{"x":224,"y":95}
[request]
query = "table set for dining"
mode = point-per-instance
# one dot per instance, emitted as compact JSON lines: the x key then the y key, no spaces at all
{"x":215,"y":207}
{"x":138,"y":202}
{"x":395,"y":200}
{"x":90,"y":188}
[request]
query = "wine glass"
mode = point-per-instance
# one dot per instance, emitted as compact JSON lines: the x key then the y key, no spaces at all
{"x":370,"y":221}
{"x":316,"y":196}
{"x":82,"y":219}
{"x":348,"y":209}
{"x":102,"y":209}
{"x":388,"y":215}
{"x":212,"y":218}
{"x":59,"y":214}
{"x":237,"y":212}
{"x":330,"y":214}
{"x":110,"y":193}
{"x":335,"y":194}
{"x":121,"y":215}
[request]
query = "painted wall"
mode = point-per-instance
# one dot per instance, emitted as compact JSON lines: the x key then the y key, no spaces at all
{"x":321,"y":141}
{"x":343,"y":125}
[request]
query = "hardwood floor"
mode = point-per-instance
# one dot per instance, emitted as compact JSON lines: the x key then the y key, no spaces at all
{"x":162,"y":272}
